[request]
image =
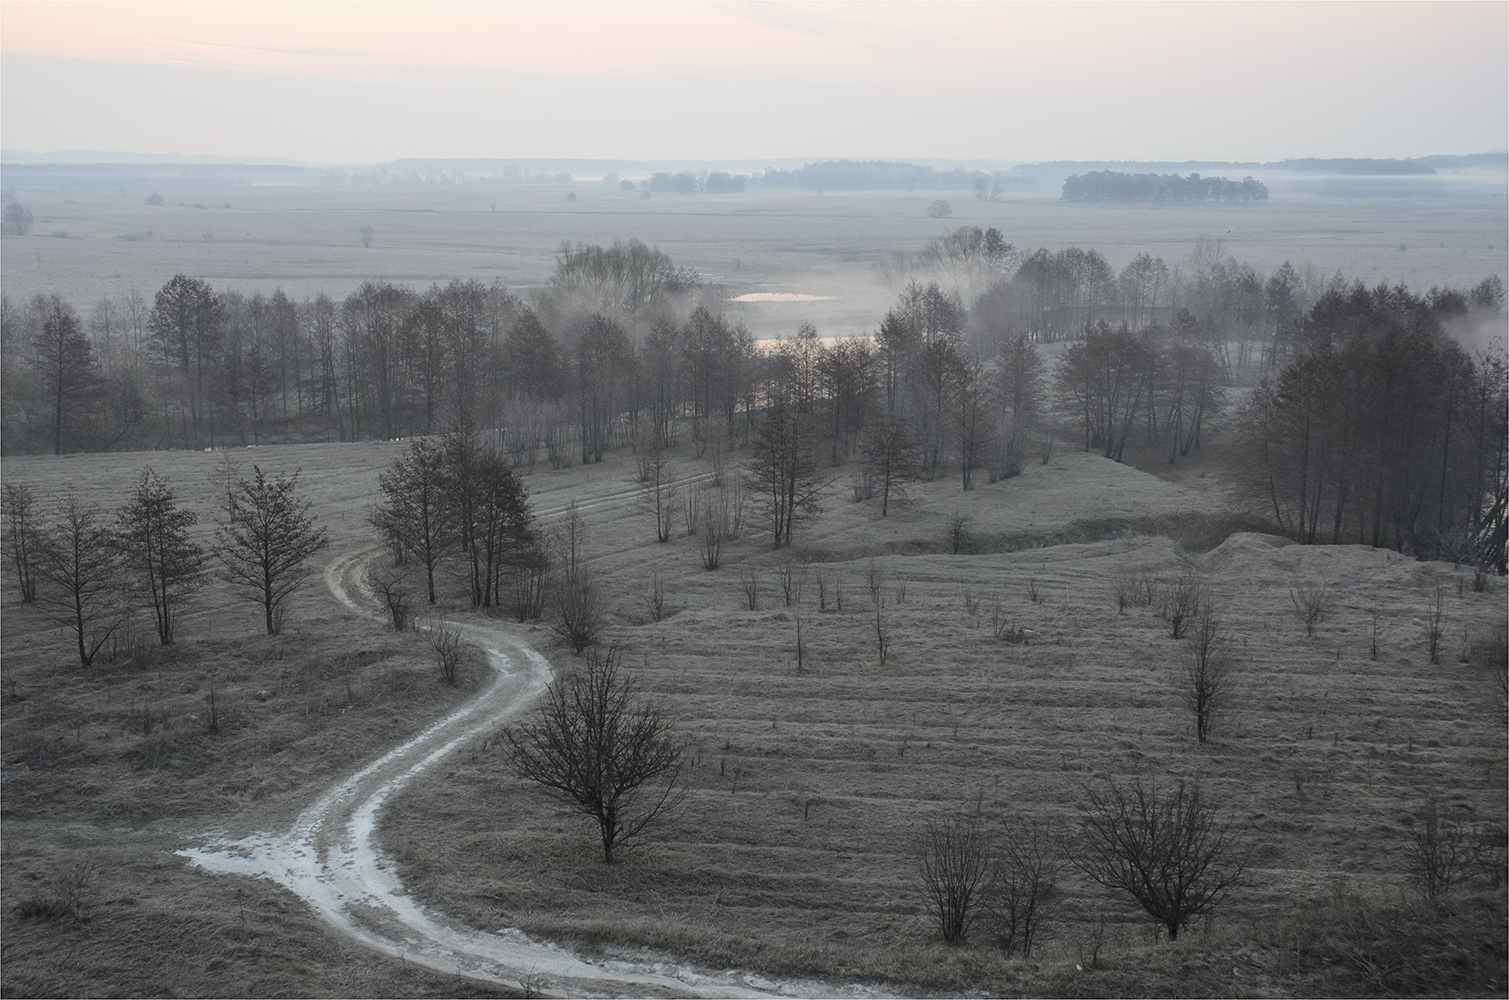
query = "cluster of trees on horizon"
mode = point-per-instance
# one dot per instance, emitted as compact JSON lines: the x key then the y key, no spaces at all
{"x":1107,"y":185}
{"x":624,"y":347}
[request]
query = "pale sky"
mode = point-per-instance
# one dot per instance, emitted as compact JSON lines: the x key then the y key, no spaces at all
{"x":745,"y":82}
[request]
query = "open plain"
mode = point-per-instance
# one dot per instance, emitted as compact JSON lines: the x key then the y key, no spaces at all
{"x":793,"y":854}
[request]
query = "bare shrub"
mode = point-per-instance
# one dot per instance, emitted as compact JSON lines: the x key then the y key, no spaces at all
{"x":789,"y":580}
{"x":751,"y":581}
{"x":1312,"y":603}
{"x":445,"y":640}
{"x":1490,"y":852}
{"x":1167,"y":852}
{"x":578,"y":611}
{"x":714,"y":524}
{"x":1148,"y":588}
{"x":389,"y":585}
{"x":1123,"y":588}
{"x":1435,"y":623}
{"x":603,"y":746}
{"x":1373,"y":637}
{"x":822,"y":591}
{"x":1208,"y":672}
{"x":655,"y":599}
{"x":67,"y":896}
{"x":875,"y":583}
{"x":953,"y":865}
{"x":1000,"y":624}
{"x":958,"y":531}
{"x":1181,"y":599}
{"x":1032,"y":593}
{"x":971,"y":602}
{"x":1023,"y":886}
{"x":18,"y":509}
{"x":1489,"y":651}
{"x":1439,"y":852}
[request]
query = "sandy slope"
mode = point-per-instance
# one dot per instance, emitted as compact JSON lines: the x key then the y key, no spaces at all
{"x":329,"y":858}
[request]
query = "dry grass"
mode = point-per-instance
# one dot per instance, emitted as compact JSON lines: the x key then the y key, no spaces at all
{"x":792,"y":853}
{"x":108,"y":770}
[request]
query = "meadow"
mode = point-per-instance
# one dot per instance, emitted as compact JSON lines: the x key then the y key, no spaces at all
{"x":90,"y":242}
{"x":794,"y":851}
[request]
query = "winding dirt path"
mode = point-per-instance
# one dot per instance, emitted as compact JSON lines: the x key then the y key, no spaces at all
{"x":330,"y":858}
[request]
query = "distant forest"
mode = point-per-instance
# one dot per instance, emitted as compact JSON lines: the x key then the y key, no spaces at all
{"x":1105,"y":185}
{"x":1368,"y":421}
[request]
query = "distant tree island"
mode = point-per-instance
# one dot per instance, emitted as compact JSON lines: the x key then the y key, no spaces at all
{"x":1107,"y":185}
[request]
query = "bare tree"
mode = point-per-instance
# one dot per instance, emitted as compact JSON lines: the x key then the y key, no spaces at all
{"x":875,"y":582}
{"x":714,"y":523}
{"x":365,"y":234}
{"x":18,"y":508}
{"x":411,"y":514}
{"x":1024,"y":883}
{"x":1439,"y":852}
{"x":1167,"y":852}
{"x":389,"y":585}
{"x":888,"y":462}
{"x":78,"y":558}
{"x":153,"y":533}
{"x":1181,"y":601}
{"x":606,"y":748}
{"x":575,"y":600}
{"x":958,"y":531}
{"x":1435,"y":623}
{"x":66,"y":367}
{"x":1312,"y":603}
{"x":445,"y":640}
{"x":267,"y":540}
{"x":1207,"y":672}
{"x":953,"y":865}
{"x":660,"y":494}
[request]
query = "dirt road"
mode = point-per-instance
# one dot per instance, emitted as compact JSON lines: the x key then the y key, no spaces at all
{"x":330,"y":857}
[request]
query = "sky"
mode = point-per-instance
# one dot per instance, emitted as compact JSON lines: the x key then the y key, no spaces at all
{"x":732,"y":83}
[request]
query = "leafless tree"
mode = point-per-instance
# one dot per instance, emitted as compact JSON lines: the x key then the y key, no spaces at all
{"x":77,"y":556}
{"x":953,"y":866}
{"x":751,"y":580}
{"x":958,"y":531}
{"x":1181,"y":601}
{"x":153,"y":532}
{"x":1312,"y":602}
{"x":875,"y":582}
{"x":605,"y":747}
{"x":445,"y":640}
{"x":1435,"y":623}
{"x":267,"y":539}
{"x":661,"y":493}
{"x":413,"y":508}
{"x":66,"y":367}
{"x":22,"y":535}
{"x":365,"y":234}
{"x":790,"y":580}
{"x":655,"y":600}
{"x":576,"y":602}
{"x":1439,"y":852}
{"x":389,"y":585}
{"x":1168,"y":852}
{"x":1023,"y":886}
{"x":1208,"y":671}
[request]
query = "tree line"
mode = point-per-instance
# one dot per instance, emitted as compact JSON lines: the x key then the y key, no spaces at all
{"x":1110,"y":185}
{"x":94,"y":571}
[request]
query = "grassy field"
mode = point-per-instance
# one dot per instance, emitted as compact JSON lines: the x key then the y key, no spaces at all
{"x":108,"y":771}
{"x":90,"y":242}
{"x":794,"y":851}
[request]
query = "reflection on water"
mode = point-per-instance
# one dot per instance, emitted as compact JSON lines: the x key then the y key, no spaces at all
{"x":780,"y":297}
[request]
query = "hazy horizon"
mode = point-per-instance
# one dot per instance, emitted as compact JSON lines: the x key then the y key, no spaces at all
{"x":736,"y":82}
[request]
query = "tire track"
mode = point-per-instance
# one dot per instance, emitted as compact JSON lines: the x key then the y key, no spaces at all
{"x":330,"y":857}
